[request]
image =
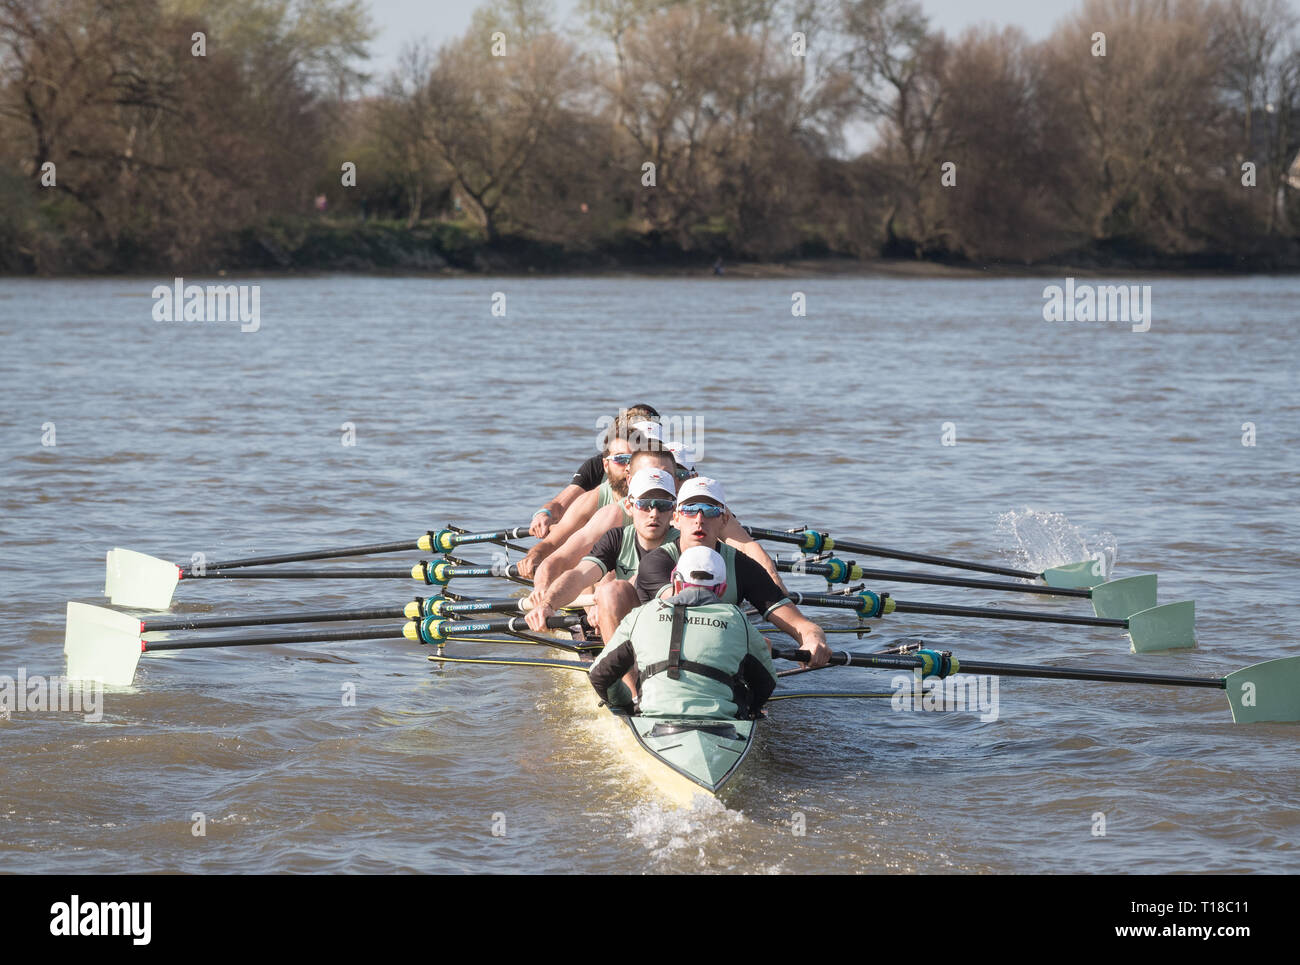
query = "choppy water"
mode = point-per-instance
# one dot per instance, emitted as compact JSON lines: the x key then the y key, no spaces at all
{"x":174,"y":438}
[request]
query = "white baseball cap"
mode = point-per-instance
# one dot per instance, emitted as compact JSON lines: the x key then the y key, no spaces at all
{"x":701,"y":486}
{"x":701,"y":565}
{"x":648,"y":430}
{"x":684,"y":454}
{"x":649,"y":481}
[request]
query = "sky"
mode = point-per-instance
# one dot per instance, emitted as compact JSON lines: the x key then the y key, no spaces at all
{"x":399,"y":21}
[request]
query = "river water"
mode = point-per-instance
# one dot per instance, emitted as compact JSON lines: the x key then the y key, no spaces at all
{"x":938,"y":415}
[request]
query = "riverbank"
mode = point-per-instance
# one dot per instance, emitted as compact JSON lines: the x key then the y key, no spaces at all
{"x":315,"y":246}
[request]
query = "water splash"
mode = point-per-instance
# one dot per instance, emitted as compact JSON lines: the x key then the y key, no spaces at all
{"x":1040,"y":540}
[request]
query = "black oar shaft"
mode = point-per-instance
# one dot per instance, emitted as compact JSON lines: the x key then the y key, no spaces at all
{"x":992,"y":613}
{"x":341,"y":574}
{"x":836,"y":601}
{"x":327,"y":554}
{"x":311,"y":636}
{"x":937,"y":580}
{"x":880,"y":661}
{"x":302,"y":616}
{"x":853,"y":546}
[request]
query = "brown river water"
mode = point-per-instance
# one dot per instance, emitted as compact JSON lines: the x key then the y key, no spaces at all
{"x":368,"y":409}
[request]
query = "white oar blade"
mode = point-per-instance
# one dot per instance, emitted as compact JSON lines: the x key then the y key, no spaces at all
{"x":101,"y":644}
{"x":1079,"y":575}
{"x":1268,"y":691}
{"x":1167,"y":627}
{"x":1120,"y":599}
{"x":136,"y":580}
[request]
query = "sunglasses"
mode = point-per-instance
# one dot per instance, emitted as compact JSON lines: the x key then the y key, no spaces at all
{"x":663,"y":505}
{"x":681,"y":473}
{"x":707,"y":510}
{"x":622,"y":459}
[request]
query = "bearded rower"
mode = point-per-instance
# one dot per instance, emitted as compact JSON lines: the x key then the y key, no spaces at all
{"x":651,"y":501}
{"x":588,"y":477}
{"x":701,"y":518}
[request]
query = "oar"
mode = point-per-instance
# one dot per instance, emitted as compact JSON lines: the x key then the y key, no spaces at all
{"x":1082,"y":574}
{"x":1268,"y":691}
{"x":1159,"y":628}
{"x":108,"y":644}
{"x":439,"y":572}
{"x":1115,"y":599}
{"x":145,"y":582}
{"x":79,"y":622}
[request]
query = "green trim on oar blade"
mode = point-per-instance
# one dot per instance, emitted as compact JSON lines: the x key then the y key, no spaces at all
{"x":136,"y":580}
{"x":1268,"y":691}
{"x":101,"y":644}
{"x":1085,"y":573}
{"x":1120,"y":599}
{"x":1167,"y":627}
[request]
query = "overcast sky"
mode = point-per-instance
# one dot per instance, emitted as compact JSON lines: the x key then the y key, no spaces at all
{"x":398,"y":21}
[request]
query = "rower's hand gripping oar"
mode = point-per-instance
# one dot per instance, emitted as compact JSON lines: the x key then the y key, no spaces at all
{"x":1166,"y":627}
{"x":145,"y":582}
{"x":1268,"y":691}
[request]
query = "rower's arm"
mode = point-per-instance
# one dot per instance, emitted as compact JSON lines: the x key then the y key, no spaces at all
{"x":617,"y":659}
{"x":575,"y":517}
{"x":811,"y":637}
{"x":578,"y":545}
{"x":570,"y":583}
{"x":552,"y":512}
{"x":737,"y":536}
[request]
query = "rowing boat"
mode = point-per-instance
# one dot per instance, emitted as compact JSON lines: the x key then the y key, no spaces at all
{"x":681,"y":757}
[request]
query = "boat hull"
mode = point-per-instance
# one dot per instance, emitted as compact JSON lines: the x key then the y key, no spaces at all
{"x":692,"y":755}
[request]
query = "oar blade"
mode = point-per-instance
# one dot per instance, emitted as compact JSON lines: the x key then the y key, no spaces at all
{"x":1268,"y":691}
{"x":136,"y":580}
{"x":1120,"y":599}
{"x":101,"y":644}
{"x":1083,"y":574}
{"x":1167,"y":627}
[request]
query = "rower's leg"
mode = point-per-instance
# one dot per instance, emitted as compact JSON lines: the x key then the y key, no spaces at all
{"x":616,"y":599}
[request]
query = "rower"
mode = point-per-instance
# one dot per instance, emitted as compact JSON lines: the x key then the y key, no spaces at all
{"x":589,"y":475}
{"x":693,"y":655}
{"x":651,"y":500}
{"x":621,"y":440}
{"x":615,"y":517}
{"x":701,"y":518}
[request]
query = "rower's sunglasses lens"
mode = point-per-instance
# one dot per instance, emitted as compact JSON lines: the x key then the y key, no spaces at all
{"x":663,"y":505}
{"x":707,"y":510}
{"x":622,"y":459}
{"x":683,"y":473}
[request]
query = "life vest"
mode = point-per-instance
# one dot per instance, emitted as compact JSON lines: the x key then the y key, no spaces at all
{"x":699,"y":661}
